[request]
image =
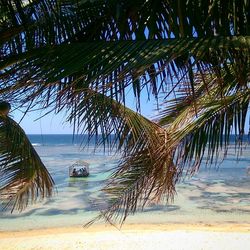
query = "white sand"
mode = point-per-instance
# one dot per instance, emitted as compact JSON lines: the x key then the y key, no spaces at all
{"x":143,"y":237}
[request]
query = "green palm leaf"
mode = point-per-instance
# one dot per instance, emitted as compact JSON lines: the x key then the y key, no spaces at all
{"x":205,"y":121}
{"x":55,"y":27}
{"x":23,"y":177}
{"x":89,"y":65}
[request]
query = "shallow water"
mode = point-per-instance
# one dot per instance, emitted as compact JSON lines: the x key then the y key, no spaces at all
{"x":214,"y":195}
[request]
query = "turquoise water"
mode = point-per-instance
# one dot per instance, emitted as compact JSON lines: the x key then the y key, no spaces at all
{"x":215,"y":195}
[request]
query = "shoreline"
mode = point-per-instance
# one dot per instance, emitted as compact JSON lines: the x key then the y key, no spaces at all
{"x":214,"y":227}
{"x":131,"y":236}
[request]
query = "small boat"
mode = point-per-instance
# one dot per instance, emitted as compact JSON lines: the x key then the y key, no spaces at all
{"x":79,"y":169}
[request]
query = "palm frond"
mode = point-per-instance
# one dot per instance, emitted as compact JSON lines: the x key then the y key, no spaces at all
{"x":97,"y":114}
{"x":146,"y":171}
{"x":125,"y":20}
{"x":149,"y":172}
{"x":206,"y":121}
{"x":23,"y":177}
{"x":69,"y":34}
{"x":82,"y":66}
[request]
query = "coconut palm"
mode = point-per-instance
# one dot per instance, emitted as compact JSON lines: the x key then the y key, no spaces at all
{"x":84,"y":56}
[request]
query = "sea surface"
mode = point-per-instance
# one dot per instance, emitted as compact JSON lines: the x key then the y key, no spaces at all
{"x":214,"y":195}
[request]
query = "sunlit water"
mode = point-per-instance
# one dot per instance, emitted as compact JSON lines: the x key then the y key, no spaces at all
{"x":215,"y":195}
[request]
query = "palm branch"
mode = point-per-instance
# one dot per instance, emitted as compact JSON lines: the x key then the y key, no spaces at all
{"x":192,"y":128}
{"x":146,"y":168}
{"x":78,"y":32}
{"x":23,"y":176}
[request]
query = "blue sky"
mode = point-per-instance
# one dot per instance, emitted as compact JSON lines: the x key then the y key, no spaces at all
{"x":55,"y":124}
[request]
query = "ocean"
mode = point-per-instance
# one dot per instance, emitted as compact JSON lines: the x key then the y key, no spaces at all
{"x":214,"y":195}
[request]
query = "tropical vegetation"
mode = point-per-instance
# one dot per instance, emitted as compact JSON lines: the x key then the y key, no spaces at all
{"x":191,"y":57}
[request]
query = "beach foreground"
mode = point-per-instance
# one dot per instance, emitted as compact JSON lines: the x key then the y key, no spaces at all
{"x":131,"y":237}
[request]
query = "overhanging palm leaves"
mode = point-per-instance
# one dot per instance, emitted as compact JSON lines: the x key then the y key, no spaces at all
{"x":53,"y":73}
{"x":168,"y":154}
{"x":49,"y":24}
{"x":23,"y":177}
{"x":85,"y":55}
{"x":206,"y":122}
{"x":146,"y":171}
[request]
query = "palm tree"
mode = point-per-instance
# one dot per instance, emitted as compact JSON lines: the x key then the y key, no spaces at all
{"x":83,"y":57}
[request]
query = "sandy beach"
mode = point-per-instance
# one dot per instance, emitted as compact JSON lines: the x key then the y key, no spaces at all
{"x":100,"y":237}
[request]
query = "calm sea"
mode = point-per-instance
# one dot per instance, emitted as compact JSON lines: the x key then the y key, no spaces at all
{"x":214,"y":195}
